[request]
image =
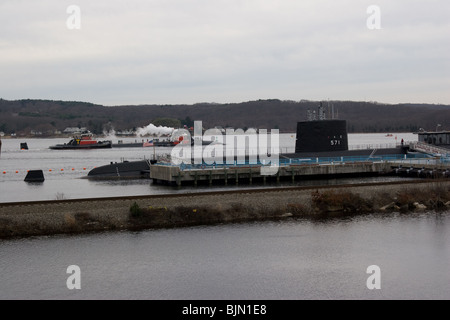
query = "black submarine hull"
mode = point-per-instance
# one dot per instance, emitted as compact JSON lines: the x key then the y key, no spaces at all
{"x":124,"y":170}
{"x":315,"y":139}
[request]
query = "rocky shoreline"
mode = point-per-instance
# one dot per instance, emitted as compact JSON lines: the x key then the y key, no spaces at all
{"x":139,"y":213}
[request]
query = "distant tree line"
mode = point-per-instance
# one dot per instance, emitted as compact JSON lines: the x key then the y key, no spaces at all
{"x":47,"y":116}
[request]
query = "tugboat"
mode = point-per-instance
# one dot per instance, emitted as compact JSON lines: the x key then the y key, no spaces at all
{"x":84,"y":141}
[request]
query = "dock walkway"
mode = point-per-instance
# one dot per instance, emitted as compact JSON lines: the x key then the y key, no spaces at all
{"x":290,"y":169}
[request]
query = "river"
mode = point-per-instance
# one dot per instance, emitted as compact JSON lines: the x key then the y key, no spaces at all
{"x":64,"y":170}
{"x":287,"y":260}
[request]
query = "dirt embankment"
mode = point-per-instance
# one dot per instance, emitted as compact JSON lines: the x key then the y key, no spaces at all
{"x":136,"y":213}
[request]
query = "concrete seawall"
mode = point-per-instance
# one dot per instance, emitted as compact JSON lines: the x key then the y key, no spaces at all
{"x":89,"y":215}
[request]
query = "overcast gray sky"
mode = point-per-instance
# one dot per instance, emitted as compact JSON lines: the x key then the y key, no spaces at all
{"x":188,"y":51}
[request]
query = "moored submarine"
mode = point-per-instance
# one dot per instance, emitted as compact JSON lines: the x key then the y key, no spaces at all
{"x":125,"y":170}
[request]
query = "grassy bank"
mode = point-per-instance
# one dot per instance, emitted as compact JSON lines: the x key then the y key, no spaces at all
{"x":206,"y":208}
{"x":328,"y":202}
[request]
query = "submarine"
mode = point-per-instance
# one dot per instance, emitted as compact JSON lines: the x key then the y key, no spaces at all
{"x":317,"y":137}
{"x":140,"y":168}
{"x":125,"y":170}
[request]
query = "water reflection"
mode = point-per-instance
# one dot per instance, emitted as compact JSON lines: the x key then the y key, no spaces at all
{"x":292,"y":259}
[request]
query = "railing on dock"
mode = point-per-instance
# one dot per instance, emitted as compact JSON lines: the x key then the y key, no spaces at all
{"x":431,"y":149}
{"x":397,"y":158}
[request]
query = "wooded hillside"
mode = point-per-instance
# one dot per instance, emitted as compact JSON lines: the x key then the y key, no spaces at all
{"x":24,"y":116}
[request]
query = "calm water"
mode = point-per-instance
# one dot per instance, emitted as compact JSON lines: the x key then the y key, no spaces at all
{"x":293,"y":259}
{"x":64,"y":169}
{"x":272,"y":260}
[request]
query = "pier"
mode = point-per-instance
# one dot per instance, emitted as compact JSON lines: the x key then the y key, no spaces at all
{"x":247,"y":174}
{"x":291,"y":169}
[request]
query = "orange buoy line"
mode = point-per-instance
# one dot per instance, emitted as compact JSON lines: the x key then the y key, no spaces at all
{"x":49,"y":170}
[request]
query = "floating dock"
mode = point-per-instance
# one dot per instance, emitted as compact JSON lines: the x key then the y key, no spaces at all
{"x":301,"y":169}
{"x":177,"y":175}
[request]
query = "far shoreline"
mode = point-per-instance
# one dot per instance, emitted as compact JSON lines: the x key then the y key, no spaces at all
{"x":68,"y":136}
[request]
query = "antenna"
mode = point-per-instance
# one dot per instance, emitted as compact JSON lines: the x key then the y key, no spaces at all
{"x":321,"y":112}
{"x":329,"y":110}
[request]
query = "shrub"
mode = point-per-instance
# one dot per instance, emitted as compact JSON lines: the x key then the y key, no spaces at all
{"x":135,"y":210}
{"x":433,"y":195}
{"x":60,"y":196}
{"x":83,"y":216}
{"x":333,"y":200}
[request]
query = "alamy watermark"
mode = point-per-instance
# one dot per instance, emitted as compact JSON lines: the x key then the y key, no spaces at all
{"x":73,"y":22}
{"x":236,"y":147}
{"x":374,"y":281}
{"x":374,"y":20}
{"x":74,"y":280}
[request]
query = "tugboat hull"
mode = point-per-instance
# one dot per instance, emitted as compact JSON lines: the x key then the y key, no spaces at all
{"x":85,"y":141}
{"x":99,"y":145}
